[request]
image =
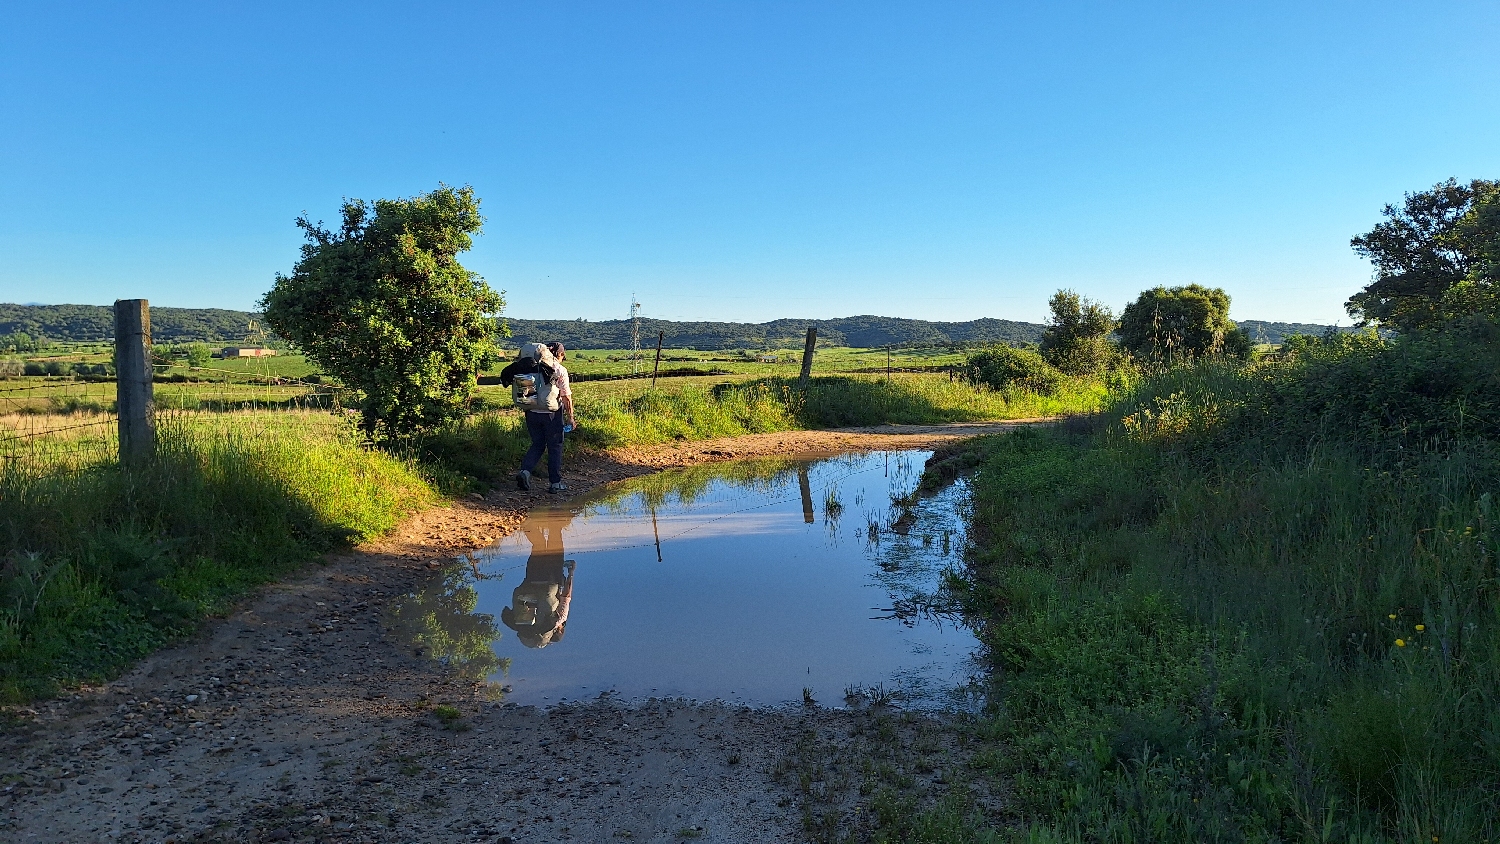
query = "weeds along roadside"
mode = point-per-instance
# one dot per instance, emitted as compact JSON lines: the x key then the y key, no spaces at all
{"x":486,"y":446}
{"x":103,"y":565}
{"x":1252,"y":604}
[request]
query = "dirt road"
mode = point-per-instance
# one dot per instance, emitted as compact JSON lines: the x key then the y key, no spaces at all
{"x":303,"y":717}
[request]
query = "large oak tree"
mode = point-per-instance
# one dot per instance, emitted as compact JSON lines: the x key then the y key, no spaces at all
{"x":1173,"y":324}
{"x":1435,"y":241}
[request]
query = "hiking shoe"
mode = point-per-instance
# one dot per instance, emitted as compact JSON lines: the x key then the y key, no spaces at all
{"x":523,"y":480}
{"x":558,"y":487}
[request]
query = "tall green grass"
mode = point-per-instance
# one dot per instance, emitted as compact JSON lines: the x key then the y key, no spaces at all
{"x":101,"y":565}
{"x":1255,"y":604}
{"x":489,"y":445}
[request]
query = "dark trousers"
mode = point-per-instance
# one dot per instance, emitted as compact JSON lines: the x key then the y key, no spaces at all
{"x":546,"y":430}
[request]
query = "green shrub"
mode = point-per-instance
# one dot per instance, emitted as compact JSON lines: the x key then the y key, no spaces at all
{"x":199,"y":355}
{"x":1005,"y":368}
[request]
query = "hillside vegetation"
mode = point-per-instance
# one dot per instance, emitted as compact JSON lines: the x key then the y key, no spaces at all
{"x":86,"y":323}
{"x":859,"y":331}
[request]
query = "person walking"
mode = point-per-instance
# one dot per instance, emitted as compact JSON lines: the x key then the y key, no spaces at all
{"x":547,"y":428}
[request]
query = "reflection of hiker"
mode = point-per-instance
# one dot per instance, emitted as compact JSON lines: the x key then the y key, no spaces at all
{"x":539,"y":385}
{"x":539,"y":606}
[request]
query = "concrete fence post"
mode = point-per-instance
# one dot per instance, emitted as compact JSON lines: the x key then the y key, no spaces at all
{"x":807,"y":355}
{"x":134,"y":397}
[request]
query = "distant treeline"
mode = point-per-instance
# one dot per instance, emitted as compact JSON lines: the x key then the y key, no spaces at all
{"x":78,"y":323}
{"x":1275,"y":332}
{"x":863,"y":332}
{"x":859,"y":332}
{"x":82,"y":323}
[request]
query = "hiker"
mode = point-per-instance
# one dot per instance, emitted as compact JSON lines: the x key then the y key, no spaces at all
{"x":539,"y":605}
{"x":539,"y":385}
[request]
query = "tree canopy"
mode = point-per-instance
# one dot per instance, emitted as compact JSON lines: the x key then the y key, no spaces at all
{"x":1170,"y":324}
{"x":384,"y":305}
{"x":1077,"y":337}
{"x":1436,"y":240}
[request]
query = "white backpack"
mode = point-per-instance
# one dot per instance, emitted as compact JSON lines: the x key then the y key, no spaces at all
{"x":535,"y":390}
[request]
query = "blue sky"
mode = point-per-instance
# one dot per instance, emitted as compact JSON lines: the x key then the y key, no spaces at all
{"x":743,"y":161}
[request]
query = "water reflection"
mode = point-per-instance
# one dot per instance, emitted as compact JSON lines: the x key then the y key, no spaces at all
{"x":440,"y":621}
{"x":720,"y":582}
{"x":539,"y":606}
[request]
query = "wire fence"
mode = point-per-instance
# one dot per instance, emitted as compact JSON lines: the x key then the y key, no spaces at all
{"x":59,"y":422}
{"x":67,"y":422}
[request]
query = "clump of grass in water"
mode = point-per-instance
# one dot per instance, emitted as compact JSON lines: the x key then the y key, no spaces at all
{"x":833,"y":504}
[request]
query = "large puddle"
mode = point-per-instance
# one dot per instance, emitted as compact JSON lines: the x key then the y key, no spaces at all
{"x":746,"y":582}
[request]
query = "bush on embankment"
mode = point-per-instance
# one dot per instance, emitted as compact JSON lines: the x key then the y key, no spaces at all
{"x":102,"y":565}
{"x":1258,"y":603}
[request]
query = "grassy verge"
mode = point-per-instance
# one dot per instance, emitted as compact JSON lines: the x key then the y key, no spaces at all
{"x":1254,"y":605}
{"x":102,"y":565}
{"x":488,"y":445}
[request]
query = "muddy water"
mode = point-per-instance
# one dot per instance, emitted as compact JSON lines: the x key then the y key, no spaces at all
{"x":743,"y":581}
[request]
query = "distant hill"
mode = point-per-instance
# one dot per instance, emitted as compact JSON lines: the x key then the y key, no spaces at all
{"x":1275,"y":332}
{"x":858,"y":331}
{"x":96,"y":322}
{"x":79,"y":323}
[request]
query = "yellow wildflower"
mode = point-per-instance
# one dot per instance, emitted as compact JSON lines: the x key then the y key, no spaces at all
{"x":1392,"y":616}
{"x":1400,"y":643}
{"x":1421,"y":627}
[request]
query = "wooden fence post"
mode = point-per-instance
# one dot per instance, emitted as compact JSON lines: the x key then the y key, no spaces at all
{"x":807,"y":355}
{"x":805,"y":484}
{"x":134,"y":399}
{"x":660,"y":336}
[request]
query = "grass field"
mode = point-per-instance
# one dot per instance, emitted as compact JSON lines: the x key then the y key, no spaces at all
{"x":782,"y":363}
{"x":249,"y":383}
{"x":581,"y":362}
{"x":611,"y":414}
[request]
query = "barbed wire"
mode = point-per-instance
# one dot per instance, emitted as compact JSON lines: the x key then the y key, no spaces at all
{"x":51,"y":431}
{"x":48,"y":385}
{"x":35,"y":430}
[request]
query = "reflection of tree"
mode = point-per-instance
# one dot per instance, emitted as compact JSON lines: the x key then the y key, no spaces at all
{"x":440,"y":619}
{"x":687,"y":484}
